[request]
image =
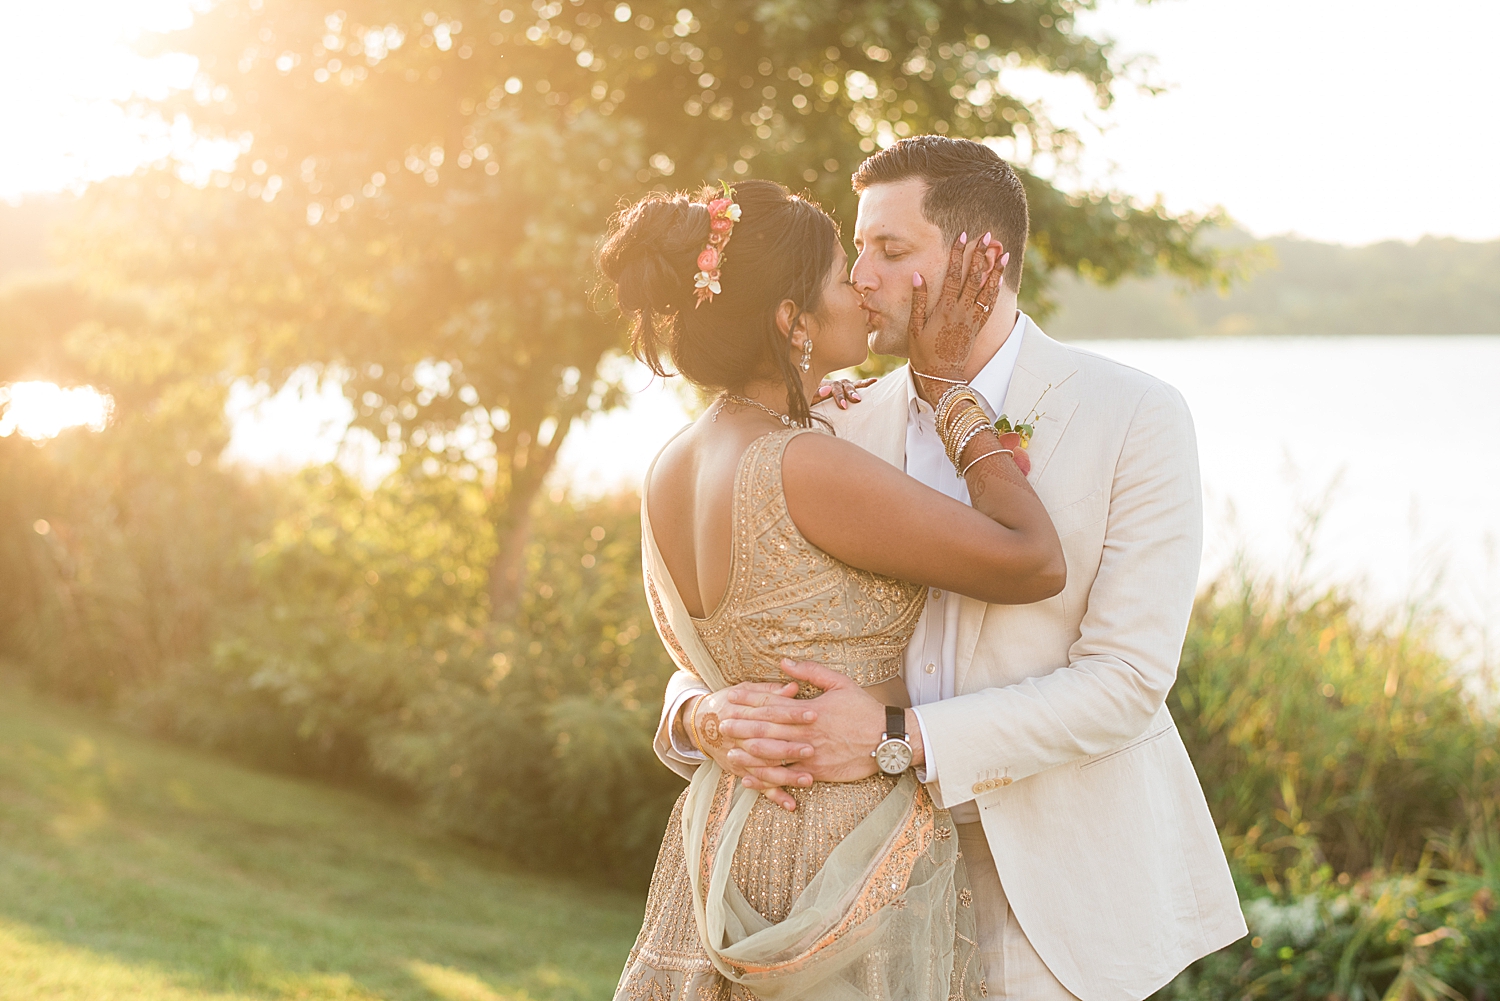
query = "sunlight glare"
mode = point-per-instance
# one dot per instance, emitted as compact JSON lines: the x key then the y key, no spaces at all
{"x":38,"y":410}
{"x":59,"y":112}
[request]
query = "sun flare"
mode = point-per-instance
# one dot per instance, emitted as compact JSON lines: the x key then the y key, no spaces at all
{"x":39,"y":410}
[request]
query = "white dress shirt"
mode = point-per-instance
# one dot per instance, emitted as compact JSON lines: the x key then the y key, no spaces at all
{"x":931,"y":656}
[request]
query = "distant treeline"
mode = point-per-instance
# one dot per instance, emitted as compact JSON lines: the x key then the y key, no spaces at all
{"x":1434,"y":286}
{"x":1437,"y":285}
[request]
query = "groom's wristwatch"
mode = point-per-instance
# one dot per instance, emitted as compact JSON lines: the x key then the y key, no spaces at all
{"x":893,"y":754}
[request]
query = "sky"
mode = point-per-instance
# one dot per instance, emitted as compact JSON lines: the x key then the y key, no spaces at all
{"x":1348,"y":121}
{"x":1342,"y":120}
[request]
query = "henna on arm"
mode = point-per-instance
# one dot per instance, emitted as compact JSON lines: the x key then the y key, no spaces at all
{"x":992,"y":471}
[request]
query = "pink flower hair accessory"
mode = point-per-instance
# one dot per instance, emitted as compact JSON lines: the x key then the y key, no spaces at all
{"x":723,"y":213}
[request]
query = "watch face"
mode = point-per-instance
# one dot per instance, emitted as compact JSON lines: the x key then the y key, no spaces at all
{"x":893,"y":756}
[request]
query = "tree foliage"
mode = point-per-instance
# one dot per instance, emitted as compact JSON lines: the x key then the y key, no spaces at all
{"x":420,"y":189}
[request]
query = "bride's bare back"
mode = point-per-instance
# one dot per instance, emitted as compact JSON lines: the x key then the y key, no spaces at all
{"x":690,"y":496}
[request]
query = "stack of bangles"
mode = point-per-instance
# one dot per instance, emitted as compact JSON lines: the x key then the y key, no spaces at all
{"x":960,"y":419}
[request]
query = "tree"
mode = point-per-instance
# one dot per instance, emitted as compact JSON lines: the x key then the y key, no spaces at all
{"x":420,"y":190}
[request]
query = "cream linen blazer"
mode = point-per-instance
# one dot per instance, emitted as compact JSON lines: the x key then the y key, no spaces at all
{"x":1059,"y":731}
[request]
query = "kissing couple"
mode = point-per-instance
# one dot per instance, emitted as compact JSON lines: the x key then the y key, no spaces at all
{"x":924,"y":629}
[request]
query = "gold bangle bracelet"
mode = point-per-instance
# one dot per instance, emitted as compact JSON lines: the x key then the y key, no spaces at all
{"x":953,"y":421}
{"x":948,"y":400}
{"x":963,"y":443}
{"x":955,"y":416}
{"x":975,"y":461}
{"x":960,"y":428}
{"x":954,"y":445}
{"x":955,"y":404}
{"x":692,"y":725}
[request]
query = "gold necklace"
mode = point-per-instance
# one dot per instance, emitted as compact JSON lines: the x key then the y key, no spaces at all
{"x":785,"y":419}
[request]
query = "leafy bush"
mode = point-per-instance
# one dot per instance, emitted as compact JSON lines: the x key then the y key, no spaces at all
{"x":1314,"y":733}
{"x":545,"y":749}
{"x":361,"y":601}
{"x":119,"y":553}
{"x":367,"y":653}
{"x":1426,"y":934}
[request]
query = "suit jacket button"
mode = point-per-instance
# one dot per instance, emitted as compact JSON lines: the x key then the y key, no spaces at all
{"x":1006,"y":781}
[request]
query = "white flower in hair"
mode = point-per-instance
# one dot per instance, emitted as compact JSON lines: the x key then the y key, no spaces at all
{"x":733,"y":212}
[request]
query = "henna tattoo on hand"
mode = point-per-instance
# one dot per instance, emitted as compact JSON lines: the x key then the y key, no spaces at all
{"x":953,"y":342}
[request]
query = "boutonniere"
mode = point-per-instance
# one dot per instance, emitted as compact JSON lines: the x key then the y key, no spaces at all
{"x":1017,"y":436}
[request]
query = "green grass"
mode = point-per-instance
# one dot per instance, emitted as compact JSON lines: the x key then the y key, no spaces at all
{"x":134,"y":869}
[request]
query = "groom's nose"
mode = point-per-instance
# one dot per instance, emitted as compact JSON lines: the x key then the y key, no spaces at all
{"x":863,"y":276}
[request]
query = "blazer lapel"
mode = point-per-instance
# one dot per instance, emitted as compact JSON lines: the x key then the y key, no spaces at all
{"x":1040,"y":383}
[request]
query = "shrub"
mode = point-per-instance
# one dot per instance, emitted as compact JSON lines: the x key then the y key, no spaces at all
{"x":1314,"y":733}
{"x":119,"y":556}
{"x":545,"y":750}
{"x":1426,"y":935}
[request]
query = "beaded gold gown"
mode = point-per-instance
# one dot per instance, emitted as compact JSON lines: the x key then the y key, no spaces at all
{"x":857,"y":894}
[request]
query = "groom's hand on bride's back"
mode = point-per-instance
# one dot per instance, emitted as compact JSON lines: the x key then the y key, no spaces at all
{"x":841,"y":726}
{"x":767,"y":766}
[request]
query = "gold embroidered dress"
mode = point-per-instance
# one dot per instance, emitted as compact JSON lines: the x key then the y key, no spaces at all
{"x":859,"y":893}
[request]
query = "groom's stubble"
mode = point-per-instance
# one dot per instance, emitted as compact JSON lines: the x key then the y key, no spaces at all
{"x":895,"y":210}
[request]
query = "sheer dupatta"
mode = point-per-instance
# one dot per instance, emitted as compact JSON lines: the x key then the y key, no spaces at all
{"x":888,"y":914}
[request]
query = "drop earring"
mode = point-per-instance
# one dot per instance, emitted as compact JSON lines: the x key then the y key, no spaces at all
{"x":807,"y":354}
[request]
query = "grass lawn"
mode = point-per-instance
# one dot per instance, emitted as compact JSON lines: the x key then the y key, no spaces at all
{"x":135,"y":869}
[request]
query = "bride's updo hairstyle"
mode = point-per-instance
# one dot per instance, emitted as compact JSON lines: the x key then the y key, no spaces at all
{"x":781,"y":248}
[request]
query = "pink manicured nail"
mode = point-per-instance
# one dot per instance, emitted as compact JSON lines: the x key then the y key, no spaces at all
{"x":963,"y":237}
{"x":916,"y":279}
{"x":984,"y":241}
{"x":1004,"y":260}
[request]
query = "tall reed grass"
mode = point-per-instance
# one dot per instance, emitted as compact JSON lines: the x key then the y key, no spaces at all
{"x":1317,"y":733}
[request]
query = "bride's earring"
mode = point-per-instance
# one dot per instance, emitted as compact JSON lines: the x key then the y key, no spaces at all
{"x":807,"y":354}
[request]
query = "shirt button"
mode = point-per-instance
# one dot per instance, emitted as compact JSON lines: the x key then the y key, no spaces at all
{"x":930,"y":668}
{"x":936,"y":594}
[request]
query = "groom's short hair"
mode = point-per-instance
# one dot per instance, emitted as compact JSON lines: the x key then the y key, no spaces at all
{"x":969,"y":189}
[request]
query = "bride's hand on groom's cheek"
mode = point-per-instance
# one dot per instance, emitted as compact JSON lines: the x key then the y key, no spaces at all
{"x":940,"y":340}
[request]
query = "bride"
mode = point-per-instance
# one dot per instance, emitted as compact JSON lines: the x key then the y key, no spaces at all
{"x":765,"y":537}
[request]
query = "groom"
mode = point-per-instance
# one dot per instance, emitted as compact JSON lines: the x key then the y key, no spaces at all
{"x":1095,"y":866}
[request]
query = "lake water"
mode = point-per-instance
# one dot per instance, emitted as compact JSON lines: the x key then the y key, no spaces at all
{"x":1379,"y":456}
